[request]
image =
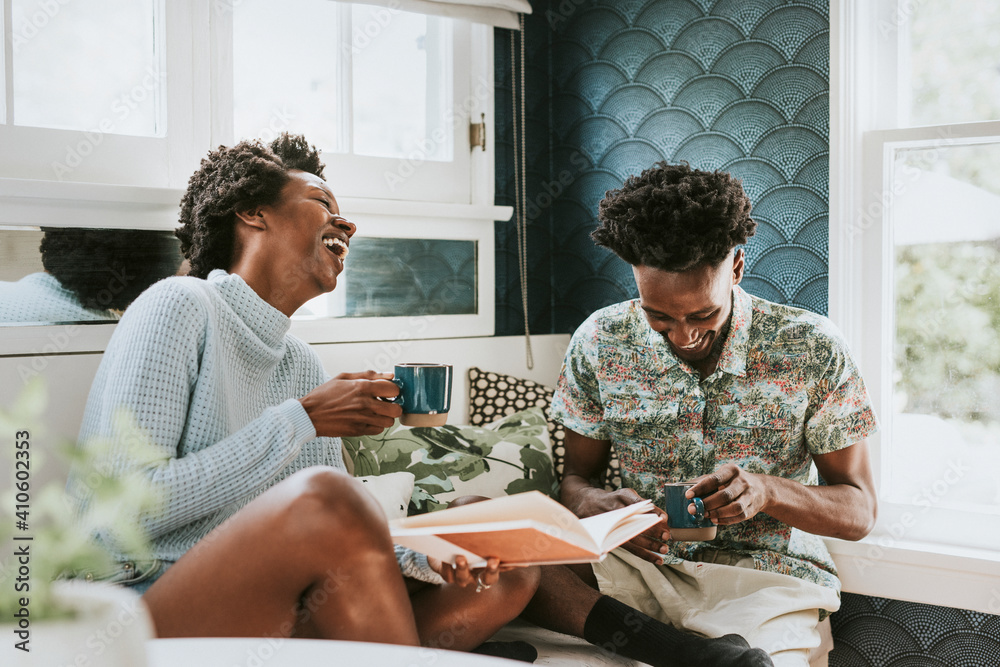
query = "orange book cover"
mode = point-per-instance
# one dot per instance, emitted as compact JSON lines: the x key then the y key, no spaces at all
{"x":523,"y":529}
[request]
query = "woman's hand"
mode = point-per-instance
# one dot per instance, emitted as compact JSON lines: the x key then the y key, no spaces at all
{"x":731,"y":494}
{"x":350,"y":404}
{"x":461,"y":574}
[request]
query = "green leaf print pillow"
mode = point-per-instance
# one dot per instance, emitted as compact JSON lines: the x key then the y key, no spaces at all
{"x":509,"y":456}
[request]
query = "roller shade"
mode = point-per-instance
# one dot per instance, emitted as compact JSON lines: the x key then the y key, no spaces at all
{"x":499,"y":13}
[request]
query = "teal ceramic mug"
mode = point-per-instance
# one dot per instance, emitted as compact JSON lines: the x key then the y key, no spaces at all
{"x":683,"y":525}
{"x":424,"y":393}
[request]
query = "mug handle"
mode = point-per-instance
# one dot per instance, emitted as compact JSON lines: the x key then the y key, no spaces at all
{"x":398,"y":399}
{"x":699,"y":509}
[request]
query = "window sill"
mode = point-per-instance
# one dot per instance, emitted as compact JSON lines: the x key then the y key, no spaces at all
{"x":40,"y":203}
{"x":934,"y":574}
{"x":32,"y":202}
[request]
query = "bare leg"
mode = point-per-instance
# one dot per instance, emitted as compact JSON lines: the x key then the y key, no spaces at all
{"x":315,"y":548}
{"x":460,"y":619}
{"x":564,"y":599}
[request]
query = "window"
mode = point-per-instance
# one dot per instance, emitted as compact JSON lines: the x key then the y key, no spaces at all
{"x":386,"y":94}
{"x":915,"y":244}
{"x":86,"y":95}
{"x":94,"y":134}
{"x":79,"y":66}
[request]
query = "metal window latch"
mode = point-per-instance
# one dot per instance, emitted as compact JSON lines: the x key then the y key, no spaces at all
{"x":477,"y":133}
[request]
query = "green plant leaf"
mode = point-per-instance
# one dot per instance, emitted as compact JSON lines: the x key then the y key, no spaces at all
{"x":365,"y":463}
{"x":538,"y":468}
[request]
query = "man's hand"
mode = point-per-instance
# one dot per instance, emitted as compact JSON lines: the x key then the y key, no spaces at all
{"x":731,"y":494}
{"x":350,"y":404}
{"x":588,"y":501}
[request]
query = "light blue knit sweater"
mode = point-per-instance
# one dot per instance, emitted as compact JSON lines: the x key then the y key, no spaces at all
{"x":211,"y":374}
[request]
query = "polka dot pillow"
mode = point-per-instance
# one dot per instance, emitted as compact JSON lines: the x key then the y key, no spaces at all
{"x":493,"y":395}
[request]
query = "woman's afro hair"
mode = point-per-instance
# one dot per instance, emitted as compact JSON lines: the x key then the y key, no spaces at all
{"x":108,"y":268}
{"x":239,"y":178}
{"x":675,"y":218}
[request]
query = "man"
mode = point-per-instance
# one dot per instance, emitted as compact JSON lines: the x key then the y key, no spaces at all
{"x":698,"y":380}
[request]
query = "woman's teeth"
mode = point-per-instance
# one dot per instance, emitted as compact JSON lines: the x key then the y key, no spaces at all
{"x":337,"y":246}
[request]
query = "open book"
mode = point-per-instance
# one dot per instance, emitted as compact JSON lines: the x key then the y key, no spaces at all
{"x":523,"y":529}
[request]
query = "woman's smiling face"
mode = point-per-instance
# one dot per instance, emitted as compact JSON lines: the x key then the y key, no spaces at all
{"x":308,"y":238}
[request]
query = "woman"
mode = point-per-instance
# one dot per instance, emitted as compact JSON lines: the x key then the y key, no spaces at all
{"x":261,"y":532}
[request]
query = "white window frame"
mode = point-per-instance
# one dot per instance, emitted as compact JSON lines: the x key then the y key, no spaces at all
{"x":910,"y":555}
{"x":98,"y":155}
{"x":410,"y":178}
{"x":137,"y":182}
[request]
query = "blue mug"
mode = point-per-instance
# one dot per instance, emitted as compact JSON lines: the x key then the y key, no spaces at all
{"x":424,"y":393}
{"x":683,"y":525}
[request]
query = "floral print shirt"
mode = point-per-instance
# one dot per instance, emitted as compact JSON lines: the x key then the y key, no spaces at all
{"x":785,"y":388}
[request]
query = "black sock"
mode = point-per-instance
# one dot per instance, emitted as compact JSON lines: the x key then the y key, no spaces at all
{"x":516,"y":650}
{"x":620,"y":629}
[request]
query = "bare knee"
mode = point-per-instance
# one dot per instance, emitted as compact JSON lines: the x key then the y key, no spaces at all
{"x":328,"y":501}
{"x":520,"y":585}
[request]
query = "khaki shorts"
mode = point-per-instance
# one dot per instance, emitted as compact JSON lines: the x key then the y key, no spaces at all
{"x":775,"y":612}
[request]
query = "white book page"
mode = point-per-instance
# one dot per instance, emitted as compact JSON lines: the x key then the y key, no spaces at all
{"x":601,"y":526}
{"x":532,"y":505}
{"x":435,"y":547}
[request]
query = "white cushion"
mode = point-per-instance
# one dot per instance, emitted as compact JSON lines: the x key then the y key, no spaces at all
{"x":392,"y":491}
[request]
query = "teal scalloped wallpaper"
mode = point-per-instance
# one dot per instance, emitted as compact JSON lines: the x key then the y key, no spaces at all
{"x":738,"y":85}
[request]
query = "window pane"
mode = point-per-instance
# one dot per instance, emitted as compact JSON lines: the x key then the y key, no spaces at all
{"x":88,"y":66}
{"x":285,"y":70}
{"x":402,"y":278}
{"x":952,"y":61}
{"x":946,"y":422}
{"x":402,"y":84}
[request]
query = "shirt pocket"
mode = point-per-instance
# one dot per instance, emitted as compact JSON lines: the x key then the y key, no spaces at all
{"x":634,"y":415}
{"x":769,"y":432}
{"x":644,"y":431}
{"x":640,"y":423}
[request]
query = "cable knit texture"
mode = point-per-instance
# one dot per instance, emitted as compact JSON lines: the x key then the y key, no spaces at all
{"x":210,"y":373}
{"x":40,"y":297}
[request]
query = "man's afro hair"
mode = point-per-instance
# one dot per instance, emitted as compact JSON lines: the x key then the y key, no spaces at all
{"x":234,"y":179}
{"x":675,"y":218}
